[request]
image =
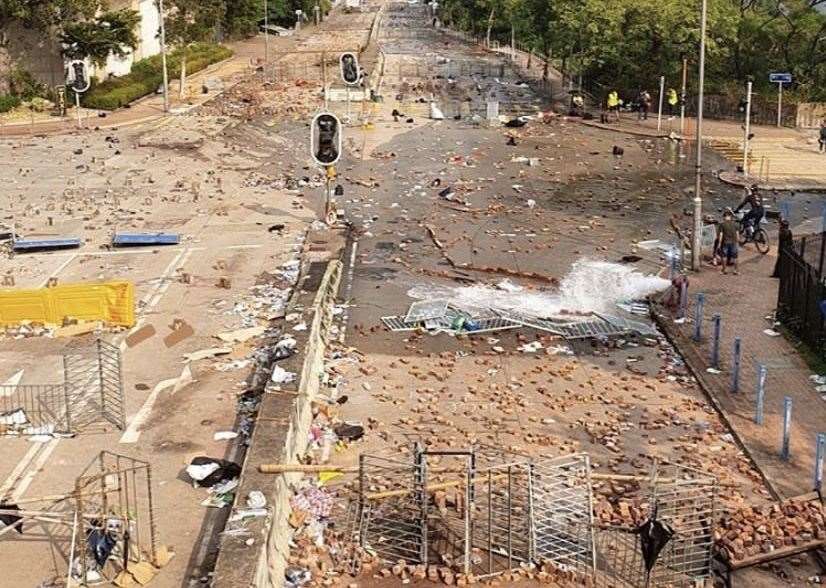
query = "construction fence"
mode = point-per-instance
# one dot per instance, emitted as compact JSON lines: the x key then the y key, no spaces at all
{"x":499,"y":512}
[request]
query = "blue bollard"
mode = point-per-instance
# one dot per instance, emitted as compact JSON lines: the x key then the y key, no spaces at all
{"x":785,"y":452}
{"x":735,"y":373}
{"x":715,"y":343}
{"x":785,"y":210}
{"x":761,"y":394}
{"x":698,"y":316}
{"x":820,"y":447}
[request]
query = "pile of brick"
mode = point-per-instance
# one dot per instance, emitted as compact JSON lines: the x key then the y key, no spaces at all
{"x":755,"y":530}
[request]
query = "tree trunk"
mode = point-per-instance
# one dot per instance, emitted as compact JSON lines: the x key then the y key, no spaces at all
{"x":490,"y":27}
{"x":183,"y":76}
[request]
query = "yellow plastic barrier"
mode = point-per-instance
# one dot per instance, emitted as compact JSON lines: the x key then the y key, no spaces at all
{"x":111,"y":302}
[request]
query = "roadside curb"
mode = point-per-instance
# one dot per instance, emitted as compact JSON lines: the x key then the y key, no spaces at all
{"x":694,"y":363}
{"x":793,"y":185}
{"x":634,"y":132}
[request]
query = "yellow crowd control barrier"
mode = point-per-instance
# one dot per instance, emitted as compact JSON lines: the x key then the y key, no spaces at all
{"x":111,"y":302}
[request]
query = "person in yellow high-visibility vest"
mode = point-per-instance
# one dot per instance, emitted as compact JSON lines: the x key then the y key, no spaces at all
{"x":671,"y":96}
{"x":613,"y":103}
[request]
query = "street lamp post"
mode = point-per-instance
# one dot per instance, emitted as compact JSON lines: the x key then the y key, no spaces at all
{"x":698,"y":170}
{"x":163,"y":58}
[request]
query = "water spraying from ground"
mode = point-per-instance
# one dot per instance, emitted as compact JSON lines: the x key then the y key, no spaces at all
{"x":590,"y":286}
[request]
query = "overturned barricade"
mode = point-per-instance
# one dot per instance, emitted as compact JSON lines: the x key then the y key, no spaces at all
{"x":447,"y":317}
{"x":102,"y":530}
{"x":498,"y":512}
{"x":89,"y":398}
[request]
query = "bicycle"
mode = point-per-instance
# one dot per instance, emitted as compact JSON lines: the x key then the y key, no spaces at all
{"x":760,"y":237}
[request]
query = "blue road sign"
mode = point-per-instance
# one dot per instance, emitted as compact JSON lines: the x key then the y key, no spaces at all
{"x":780,"y":78}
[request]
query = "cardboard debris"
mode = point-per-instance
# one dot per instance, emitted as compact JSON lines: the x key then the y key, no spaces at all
{"x":241,"y":335}
{"x":207,"y":353}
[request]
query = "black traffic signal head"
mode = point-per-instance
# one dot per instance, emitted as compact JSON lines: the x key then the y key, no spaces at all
{"x":78,"y":79}
{"x":326,"y":138}
{"x":350,"y":68}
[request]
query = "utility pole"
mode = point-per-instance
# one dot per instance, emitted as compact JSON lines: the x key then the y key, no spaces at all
{"x":660,"y":109}
{"x":698,"y":170}
{"x":682,"y":98}
{"x":266,"y":37}
{"x":163,"y":58}
{"x":747,"y":130}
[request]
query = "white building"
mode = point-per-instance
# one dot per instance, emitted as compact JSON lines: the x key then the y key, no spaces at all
{"x":149,"y":43}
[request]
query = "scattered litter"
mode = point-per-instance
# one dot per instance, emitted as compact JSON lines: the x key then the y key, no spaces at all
{"x":224,"y":435}
{"x":256,"y":499}
{"x":208,"y":471}
{"x":771,"y":332}
{"x":532,"y":347}
{"x":712,"y":370}
{"x":435,"y":112}
{"x":281,"y":376}
{"x":349,"y":431}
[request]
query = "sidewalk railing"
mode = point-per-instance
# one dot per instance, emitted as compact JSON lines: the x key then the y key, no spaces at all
{"x":802,"y":293}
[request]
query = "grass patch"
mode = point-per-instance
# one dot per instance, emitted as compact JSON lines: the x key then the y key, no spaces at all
{"x":8,"y":102}
{"x":147,"y":76}
{"x":814,"y":360}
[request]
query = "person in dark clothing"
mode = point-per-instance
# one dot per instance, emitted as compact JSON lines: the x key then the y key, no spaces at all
{"x":644,"y":104}
{"x":823,"y":137}
{"x":756,"y":210}
{"x":728,"y":240}
{"x":785,"y":241}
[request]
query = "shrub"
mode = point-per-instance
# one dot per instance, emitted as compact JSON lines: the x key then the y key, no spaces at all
{"x":147,"y":76}
{"x":8,"y":102}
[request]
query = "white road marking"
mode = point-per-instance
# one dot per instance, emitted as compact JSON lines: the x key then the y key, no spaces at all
{"x":59,"y":269}
{"x":244,"y":247}
{"x":133,"y":432}
{"x":15,"y":478}
{"x":21,"y":466}
{"x":26,"y":481}
{"x":10,"y":385}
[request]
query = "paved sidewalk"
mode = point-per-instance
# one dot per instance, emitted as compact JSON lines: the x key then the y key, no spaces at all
{"x":743,"y":302}
{"x":779,"y":158}
{"x":150,"y":108}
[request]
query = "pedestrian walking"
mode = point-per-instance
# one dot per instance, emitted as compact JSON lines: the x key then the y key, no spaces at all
{"x":823,"y":137}
{"x":673,"y":100}
{"x":728,"y":240}
{"x":785,"y":242}
{"x":643,"y":105}
{"x":613,"y":103}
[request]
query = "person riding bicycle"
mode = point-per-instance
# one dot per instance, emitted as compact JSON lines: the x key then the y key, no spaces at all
{"x":756,"y":210}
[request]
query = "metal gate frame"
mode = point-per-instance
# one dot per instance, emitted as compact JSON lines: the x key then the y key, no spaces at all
{"x":94,"y":386}
{"x":562,"y":510}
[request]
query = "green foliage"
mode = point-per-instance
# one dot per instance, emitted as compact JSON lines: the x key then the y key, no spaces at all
{"x":110,"y":33}
{"x":7,"y":102}
{"x":629,"y":44}
{"x":147,"y":75}
{"x":23,"y":85}
{"x":192,"y":21}
{"x":41,"y":14}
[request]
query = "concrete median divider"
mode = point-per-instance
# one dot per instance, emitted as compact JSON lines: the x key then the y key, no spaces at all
{"x":111,"y":302}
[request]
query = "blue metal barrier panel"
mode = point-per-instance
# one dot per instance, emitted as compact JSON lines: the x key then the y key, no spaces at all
{"x":138,"y":239}
{"x":46,"y":244}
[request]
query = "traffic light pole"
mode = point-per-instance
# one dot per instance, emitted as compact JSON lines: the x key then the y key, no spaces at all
{"x":696,"y":240}
{"x":329,"y":208}
{"x":77,"y":107}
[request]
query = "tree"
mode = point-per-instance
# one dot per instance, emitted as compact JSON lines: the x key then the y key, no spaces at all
{"x":110,"y":33}
{"x":191,"y":21}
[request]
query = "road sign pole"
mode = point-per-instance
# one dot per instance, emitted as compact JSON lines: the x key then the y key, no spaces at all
{"x":77,"y":107}
{"x":660,"y":109}
{"x":779,"y":103}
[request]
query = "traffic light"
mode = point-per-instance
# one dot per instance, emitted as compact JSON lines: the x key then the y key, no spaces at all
{"x":325,"y":138}
{"x":350,"y":69}
{"x":77,"y":77}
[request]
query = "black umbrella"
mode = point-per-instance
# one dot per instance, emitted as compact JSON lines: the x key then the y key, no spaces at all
{"x":654,"y":536}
